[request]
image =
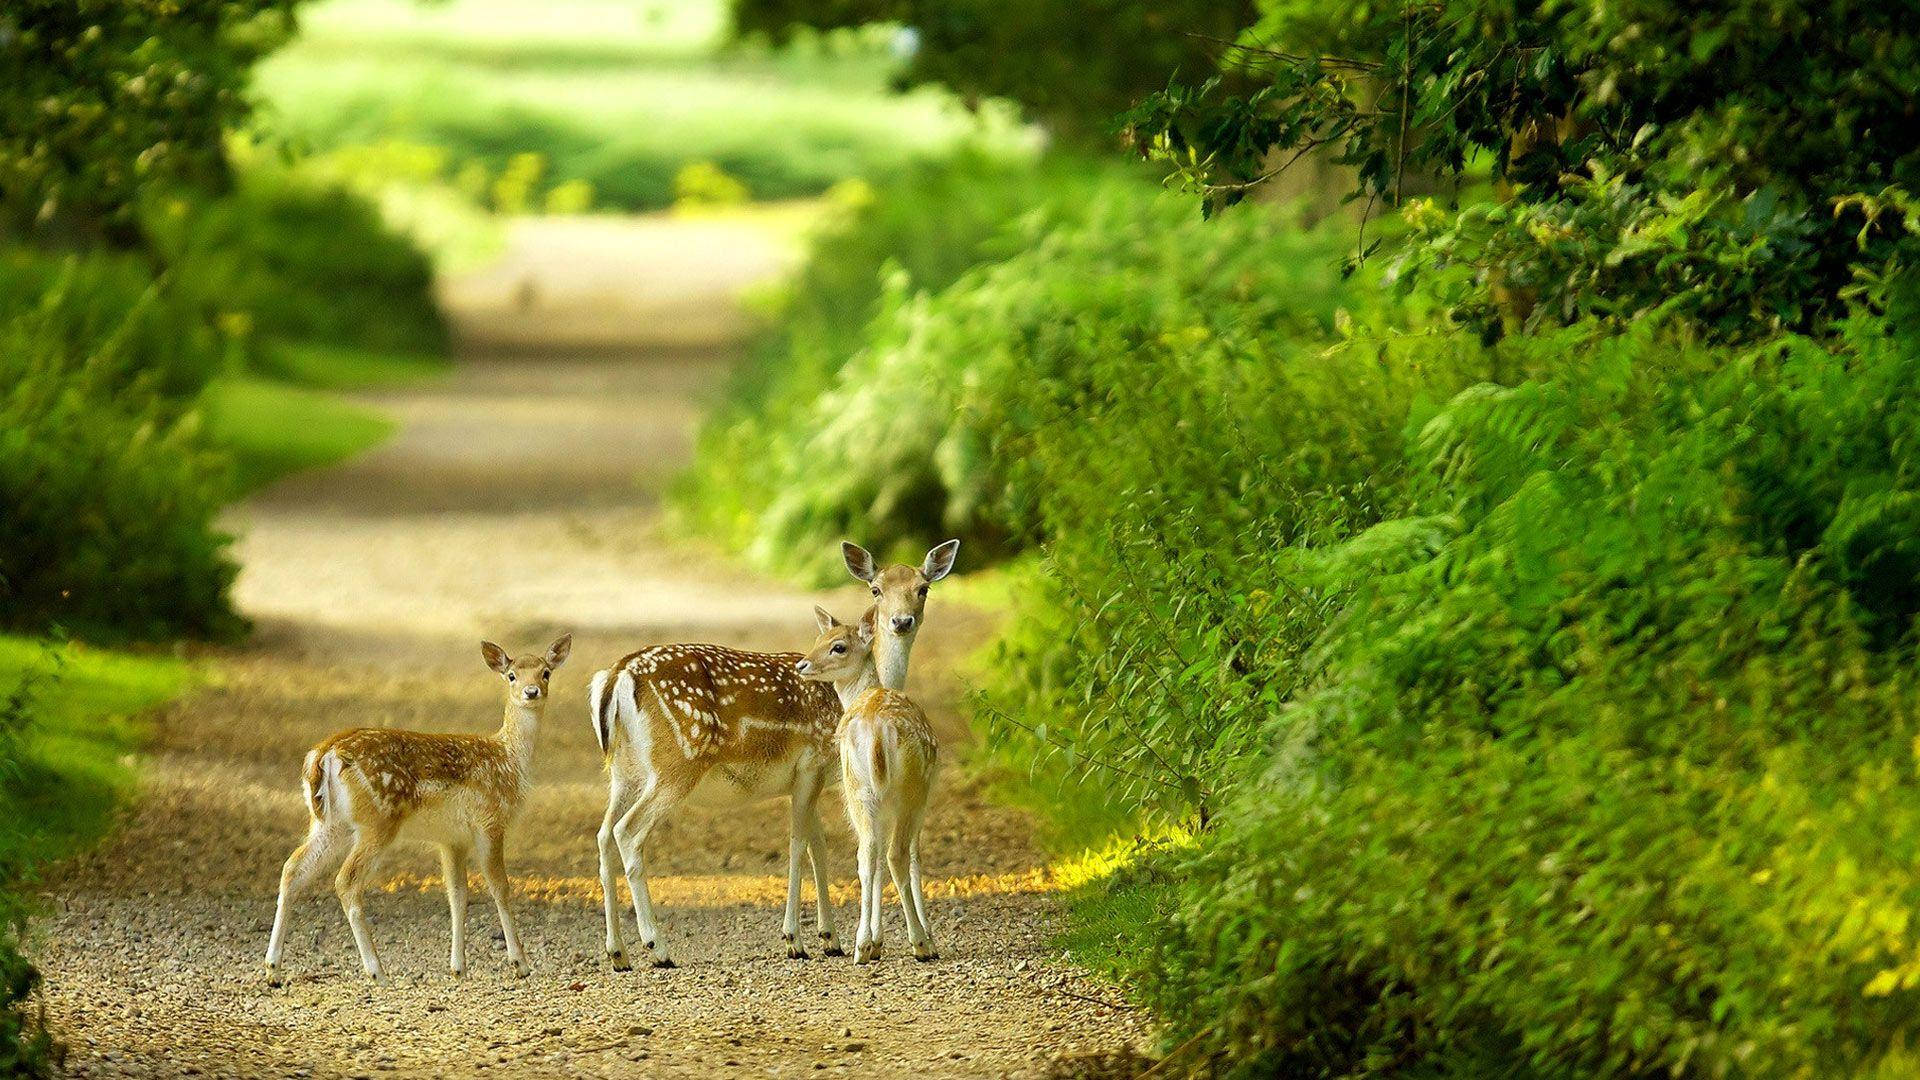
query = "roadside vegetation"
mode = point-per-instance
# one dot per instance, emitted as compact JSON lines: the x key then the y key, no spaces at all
{"x":1478,"y":642}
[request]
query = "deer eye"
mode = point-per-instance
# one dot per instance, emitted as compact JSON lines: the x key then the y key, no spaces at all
{"x":923,"y":590}
{"x":839,"y":647}
{"x":876,"y":590}
{"x":544,"y":674}
{"x":511,"y":677}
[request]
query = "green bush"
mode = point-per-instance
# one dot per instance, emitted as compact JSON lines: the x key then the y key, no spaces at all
{"x":106,"y":501}
{"x":281,"y":260}
{"x":919,"y":232}
{"x":917,"y":431}
{"x":111,"y":482}
{"x":134,"y":334}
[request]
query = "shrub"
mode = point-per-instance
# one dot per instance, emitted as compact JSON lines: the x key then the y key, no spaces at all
{"x":135,"y":335}
{"x":916,"y":433}
{"x":284,"y":260}
{"x":920,"y":231}
{"x":1579,"y":744}
{"x":106,"y":498}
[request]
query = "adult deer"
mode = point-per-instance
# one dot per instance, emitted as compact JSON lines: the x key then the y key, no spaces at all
{"x":368,"y":787}
{"x":729,"y":727}
{"x":888,"y":754}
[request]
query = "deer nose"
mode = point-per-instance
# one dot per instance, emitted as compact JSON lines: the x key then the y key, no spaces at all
{"x":902,"y":623}
{"x":530,"y":692}
{"x":802,"y":667}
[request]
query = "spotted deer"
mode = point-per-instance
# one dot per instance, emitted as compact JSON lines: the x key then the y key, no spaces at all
{"x":724,"y":726}
{"x":369,"y":787}
{"x":888,"y":755}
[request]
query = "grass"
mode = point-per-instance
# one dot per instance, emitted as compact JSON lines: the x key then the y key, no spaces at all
{"x":85,"y":721}
{"x":333,"y":367}
{"x":272,"y":428}
{"x":616,"y":94}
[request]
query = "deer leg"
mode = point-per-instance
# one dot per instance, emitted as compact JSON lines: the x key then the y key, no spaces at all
{"x":619,"y":796}
{"x":305,"y":864}
{"x":805,"y":792}
{"x":630,"y":832}
{"x":920,"y":897}
{"x":900,"y":866}
{"x":823,"y":901}
{"x":493,"y":867}
{"x":872,"y":865}
{"x":348,"y":884}
{"x":453,"y":867}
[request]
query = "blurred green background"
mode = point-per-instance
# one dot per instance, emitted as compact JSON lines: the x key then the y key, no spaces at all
{"x":1451,"y":470}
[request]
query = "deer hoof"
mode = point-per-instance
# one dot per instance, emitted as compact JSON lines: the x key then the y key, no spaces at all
{"x":797,"y":952}
{"x":273,"y":976}
{"x":620,"y":961}
{"x":521,"y":970}
{"x":664,"y":963}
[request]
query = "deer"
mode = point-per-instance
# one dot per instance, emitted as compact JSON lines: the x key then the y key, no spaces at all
{"x":367,"y":788}
{"x":888,"y":756}
{"x":714,"y":724}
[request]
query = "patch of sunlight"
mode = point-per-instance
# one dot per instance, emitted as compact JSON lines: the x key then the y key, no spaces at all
{"x":727,"y":890}
{"x":1102,"y":861}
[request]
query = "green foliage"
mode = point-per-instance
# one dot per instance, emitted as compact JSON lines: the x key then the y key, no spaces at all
{"x":1658,"y":154}
{"x":283,"y":259}
{"x":106,"y":496}
{"x":110,"y":481}
{"x":1616,"y":775}
{"x":1542,"y":707}
{"x":919,"y":232}
{"x":1071,"y":63}
{"x":110,"y":99}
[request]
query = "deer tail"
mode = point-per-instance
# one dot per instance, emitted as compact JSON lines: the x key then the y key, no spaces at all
{"x":601,"y":706}
{"x":320,"y":777}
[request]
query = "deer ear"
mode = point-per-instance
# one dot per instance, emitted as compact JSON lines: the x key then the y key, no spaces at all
{"x":824,"y":619}
{"x":558,"y":652}
{"x":939,"y":561}
{"x":859,"y":563}
{"x":495,"y":656}
{"x":866,"y":632}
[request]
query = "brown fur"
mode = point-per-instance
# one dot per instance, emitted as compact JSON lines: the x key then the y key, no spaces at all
{"x":724,"y":706}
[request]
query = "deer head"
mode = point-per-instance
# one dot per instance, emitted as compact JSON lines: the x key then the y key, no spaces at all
{"x":900,"y":591}
{"x":526,"y":677}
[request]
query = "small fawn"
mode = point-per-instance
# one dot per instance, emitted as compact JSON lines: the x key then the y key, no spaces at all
{"x":737,"y":727}
{"x":888,"y":754}
{"x":368,"y":787}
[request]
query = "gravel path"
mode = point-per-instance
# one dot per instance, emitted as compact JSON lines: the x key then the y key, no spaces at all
{"x":519,"y":498}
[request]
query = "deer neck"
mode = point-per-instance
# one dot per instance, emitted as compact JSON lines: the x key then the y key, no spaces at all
{"x":890,"y":654}
{"x":517,"y":729}
{"x":851,"y":689}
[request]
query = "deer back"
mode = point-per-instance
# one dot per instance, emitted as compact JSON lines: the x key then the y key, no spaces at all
{"x":405,"y":771}
{"x":711,"y":705}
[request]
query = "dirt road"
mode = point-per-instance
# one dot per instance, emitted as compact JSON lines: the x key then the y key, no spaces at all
{"x":519,"y":498}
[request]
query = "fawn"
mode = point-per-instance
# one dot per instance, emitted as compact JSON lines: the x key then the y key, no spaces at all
{"x":888,"y":754}
{"x":735,"y":727}
{"x":368,"y":787}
